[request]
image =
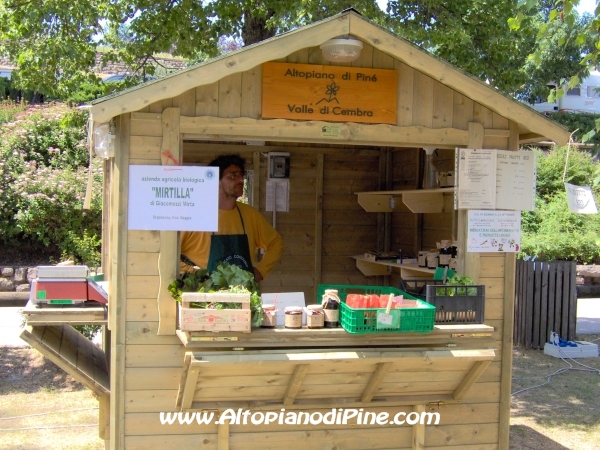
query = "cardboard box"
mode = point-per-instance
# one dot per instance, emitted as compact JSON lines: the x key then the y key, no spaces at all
{"x":200,"y":319}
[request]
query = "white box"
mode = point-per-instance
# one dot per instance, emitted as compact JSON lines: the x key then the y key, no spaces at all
{"x":583,"y":350}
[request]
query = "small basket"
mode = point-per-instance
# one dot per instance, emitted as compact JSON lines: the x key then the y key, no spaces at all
{"x":457,"y":304}
{"x":417,"y":319}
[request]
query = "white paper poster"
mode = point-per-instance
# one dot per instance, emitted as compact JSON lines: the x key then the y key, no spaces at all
{"x":176,"y":198}
{"x":495,"y":179}
{"x":494,"y":231}
{"x":516,"y":175}
{"x":581,"y":199}
{"x":278,"y":195}
{"x":476,"y":179}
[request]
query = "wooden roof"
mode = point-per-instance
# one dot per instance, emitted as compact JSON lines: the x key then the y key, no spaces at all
{"x":532,"y":125}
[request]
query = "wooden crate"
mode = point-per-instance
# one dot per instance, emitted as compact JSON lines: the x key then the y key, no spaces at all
{"x":196,"y":319}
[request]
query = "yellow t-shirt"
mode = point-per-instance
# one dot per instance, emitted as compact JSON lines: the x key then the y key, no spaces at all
{"x":196,"y":244}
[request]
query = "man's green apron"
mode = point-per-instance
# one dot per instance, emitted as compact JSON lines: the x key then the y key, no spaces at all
{"x":230,"y":248}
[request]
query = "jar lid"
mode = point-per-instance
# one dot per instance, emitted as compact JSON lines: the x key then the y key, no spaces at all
{"x":293,"y":309}
{"x":268,"y":307}
{"x":315,"y":307}
{"x":331,"y":291}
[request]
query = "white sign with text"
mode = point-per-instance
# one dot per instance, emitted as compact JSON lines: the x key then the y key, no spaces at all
{"x":175,"y":198}
{"x":494,"y":231}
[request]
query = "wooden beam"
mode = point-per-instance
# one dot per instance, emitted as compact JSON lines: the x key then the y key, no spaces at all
{"x":471,"y":378}
{"x":190,"y":380}
{"x":419,"y":430}
{"x":168,"y":267}
{"x":104,"y":417}
{"x":223,"y":435}
{"x":295,"y":384}
{"x":311,"y":131}
{"x":117,"y":312}
{"x":375,"y":381}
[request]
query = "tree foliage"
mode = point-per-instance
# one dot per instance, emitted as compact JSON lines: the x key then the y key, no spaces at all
{"x":54,"y":42}
{"x":552,"y":231}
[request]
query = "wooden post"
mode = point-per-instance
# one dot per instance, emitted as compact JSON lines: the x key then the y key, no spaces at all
{"x":419,"y":430}
{"x":104,"y":417}
{"x":118,"y":282}
{"x":168,"y":260}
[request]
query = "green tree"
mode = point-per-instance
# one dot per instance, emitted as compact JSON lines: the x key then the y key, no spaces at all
{"x":472,"y":34}
{"x":552,"y":39}
{"x":54,"y":42}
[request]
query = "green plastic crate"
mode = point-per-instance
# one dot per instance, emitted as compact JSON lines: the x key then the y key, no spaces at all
{"x":364,"y":320}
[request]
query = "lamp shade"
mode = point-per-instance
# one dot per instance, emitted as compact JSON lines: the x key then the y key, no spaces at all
{"x":341,"y":49}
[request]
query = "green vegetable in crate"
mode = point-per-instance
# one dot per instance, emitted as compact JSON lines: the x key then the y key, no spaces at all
{"x":458,"y":280}
{"x":225,"y":278}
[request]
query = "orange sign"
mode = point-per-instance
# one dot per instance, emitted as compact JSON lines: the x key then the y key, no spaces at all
{"x":329,"y":93}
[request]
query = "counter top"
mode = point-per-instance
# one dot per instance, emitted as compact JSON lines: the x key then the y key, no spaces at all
{"x":85,"y":313}
{"x":446,"y":335}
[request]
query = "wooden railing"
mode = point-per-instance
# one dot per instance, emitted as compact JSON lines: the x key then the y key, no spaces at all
{"x":545,"y":301}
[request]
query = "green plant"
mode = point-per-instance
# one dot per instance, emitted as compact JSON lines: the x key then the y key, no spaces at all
{"x":458,"y":280}
{"x":225,"y":278}
{"x":89,"y":331}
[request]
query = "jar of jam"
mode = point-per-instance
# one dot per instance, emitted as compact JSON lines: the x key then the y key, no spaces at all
{"x":268,"y":319}
{"x":315,"y":318}
{"x":331,"y":308}
{"x":293,"y":317}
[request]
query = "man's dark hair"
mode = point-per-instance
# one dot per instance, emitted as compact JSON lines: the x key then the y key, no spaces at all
{"x":224,"y":161}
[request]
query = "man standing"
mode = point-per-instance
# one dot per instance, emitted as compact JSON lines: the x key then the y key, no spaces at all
{"x":242,"y":229}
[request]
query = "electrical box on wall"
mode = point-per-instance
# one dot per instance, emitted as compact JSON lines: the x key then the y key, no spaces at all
{"x":279,"y":165}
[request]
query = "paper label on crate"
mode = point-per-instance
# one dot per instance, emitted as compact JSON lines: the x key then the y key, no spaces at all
{"x":173,"y":198}
{"x":385,"y":319}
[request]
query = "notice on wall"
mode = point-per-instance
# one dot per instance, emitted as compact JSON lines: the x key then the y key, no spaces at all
{"x":476,"y":178}
{"x":496,"y":179}
{"x":515,"y":180}
{"x":278,"y":195}
{"x":329,"y":93}
{"x":494,"y":231}
{"x":176,"y":198}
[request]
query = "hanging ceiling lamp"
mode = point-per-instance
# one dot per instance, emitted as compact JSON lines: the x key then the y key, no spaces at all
{"x":342,"y":49}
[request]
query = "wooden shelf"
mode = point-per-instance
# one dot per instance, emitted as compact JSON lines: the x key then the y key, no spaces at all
{"x":330,"y":337}
{"x":417,"y":200}
{"x":371,"y":268}
{"x":86,"y":313}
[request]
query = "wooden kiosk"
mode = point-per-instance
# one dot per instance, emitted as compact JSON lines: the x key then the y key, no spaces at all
{"x":354,"y":186}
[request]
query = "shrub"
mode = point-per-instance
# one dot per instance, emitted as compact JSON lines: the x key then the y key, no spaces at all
{"x":43,"y":177}
{"x":552,"y":231}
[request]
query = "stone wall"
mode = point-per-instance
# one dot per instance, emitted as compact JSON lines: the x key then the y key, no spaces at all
{"x":16,"y":279}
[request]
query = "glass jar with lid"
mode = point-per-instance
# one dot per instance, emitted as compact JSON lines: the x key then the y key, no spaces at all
{"x":315,"y":318}
{"x":293,"y":317}
{"x":269,"y":316}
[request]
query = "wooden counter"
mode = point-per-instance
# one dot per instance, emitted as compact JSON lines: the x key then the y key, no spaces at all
{"x":86,"y":313}
{"x":335,"y":337}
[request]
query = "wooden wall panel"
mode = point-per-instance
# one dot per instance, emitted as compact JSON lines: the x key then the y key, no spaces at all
{"x":207,"y":100}
{"x":230,"y":96}
{"x":404,"y":107}
{"x":423,"y":100}
{"x":251,"y":94}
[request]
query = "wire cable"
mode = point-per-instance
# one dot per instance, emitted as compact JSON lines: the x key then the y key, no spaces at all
{"x":559,"y":371}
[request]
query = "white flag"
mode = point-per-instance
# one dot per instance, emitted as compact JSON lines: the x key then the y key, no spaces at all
{"x":581,"y":199}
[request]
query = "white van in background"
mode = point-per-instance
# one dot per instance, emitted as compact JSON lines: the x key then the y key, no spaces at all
{"x":585,"y":98}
